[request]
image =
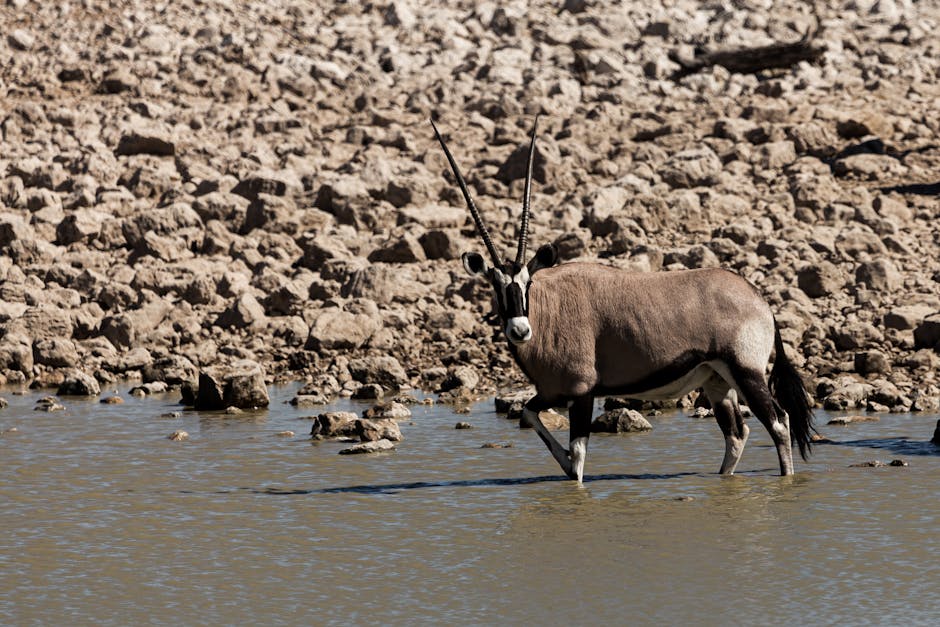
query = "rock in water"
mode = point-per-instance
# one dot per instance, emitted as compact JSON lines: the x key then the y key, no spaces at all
{"x":620,"y":420}
{"x":334,"y":424}
{"x":378,"y":446}
{"x":78,"y":383}
{"x":241,"y":386}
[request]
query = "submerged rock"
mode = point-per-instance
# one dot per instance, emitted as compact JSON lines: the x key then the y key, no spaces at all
{"x":178,"y":436}
{"x":851,"y":420}
{"x":379,"y":446}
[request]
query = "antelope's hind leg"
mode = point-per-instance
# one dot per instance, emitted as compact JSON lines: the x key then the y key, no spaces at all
{"x":724,"y":402}
{"x":753,"y":386}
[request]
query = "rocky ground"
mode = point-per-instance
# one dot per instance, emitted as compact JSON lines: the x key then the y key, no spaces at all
{"x":191,"y":185}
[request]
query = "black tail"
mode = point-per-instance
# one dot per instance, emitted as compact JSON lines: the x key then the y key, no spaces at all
{"x":786,"y":386}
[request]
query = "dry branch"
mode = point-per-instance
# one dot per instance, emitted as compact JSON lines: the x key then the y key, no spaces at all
{"x":753,"y":60}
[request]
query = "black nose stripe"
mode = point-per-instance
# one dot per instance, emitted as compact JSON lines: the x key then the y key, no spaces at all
{"x":515,"y":302}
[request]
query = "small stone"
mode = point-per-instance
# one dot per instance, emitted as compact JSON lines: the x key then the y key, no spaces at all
{"x":21,"y":40}
{"x":463,"y":425}
{"x":172,"y":414}
{"x":285,"y":434}
{"x":233,"y":411}
{"x":112,"y":400}
{"x":378,"y":446}
{"x":178,"y":436}
{"x":48,"y":403}
{"x":497,"y":445}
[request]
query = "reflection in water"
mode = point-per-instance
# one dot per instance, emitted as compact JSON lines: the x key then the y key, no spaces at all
{"x":106,"y":521}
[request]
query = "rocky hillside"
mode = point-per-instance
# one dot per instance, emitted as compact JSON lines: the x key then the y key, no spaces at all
{"x":192,"y":184}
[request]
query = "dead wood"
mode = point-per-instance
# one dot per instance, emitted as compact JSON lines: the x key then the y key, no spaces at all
{"x":753,"y":60}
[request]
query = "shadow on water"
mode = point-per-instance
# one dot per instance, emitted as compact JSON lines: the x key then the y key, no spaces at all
{"x":900,"y":445}
{"x":392,"y":488}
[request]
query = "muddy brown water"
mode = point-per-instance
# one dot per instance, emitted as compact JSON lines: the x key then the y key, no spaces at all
{"x":105,"y":521}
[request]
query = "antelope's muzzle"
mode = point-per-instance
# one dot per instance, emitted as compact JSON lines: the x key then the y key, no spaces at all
{"x":518,"y":330}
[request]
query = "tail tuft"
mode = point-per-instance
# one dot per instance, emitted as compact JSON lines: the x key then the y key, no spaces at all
{"x":787,"y":388}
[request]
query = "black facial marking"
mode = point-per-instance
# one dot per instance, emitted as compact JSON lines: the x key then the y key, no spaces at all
{"x":511,"y":300}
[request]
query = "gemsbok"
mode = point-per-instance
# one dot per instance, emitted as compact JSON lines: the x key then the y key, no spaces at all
{"x":580,"y":330}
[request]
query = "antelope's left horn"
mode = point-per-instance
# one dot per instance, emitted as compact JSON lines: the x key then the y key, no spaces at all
{"x":524,"y":227}
{"x":481,"y":228}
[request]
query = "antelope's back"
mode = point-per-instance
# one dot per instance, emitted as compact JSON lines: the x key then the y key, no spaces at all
{"x":591,"y":320}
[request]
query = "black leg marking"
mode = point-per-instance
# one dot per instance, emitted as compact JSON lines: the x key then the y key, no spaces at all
{"x":580,"y":415}
{"x":758,"y":398}
{"x":532,"y":409}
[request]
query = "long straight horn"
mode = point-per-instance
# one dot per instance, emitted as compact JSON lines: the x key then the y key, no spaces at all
{"x":524,"y":228}
{"x":481,"y":228}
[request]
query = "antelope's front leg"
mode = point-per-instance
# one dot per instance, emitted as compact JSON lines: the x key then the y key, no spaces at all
{"x":580,"y":412}
{"x":531,"y":412}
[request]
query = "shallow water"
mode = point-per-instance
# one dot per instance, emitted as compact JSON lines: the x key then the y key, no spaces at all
{"x":104,"y":520}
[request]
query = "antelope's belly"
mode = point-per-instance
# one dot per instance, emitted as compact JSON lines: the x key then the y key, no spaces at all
{"x":661,"y":386}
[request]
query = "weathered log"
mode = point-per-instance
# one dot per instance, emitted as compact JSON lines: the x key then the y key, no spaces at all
{"x":752,"y":60}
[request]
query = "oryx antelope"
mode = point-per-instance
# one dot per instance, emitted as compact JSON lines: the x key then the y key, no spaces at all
{"x":582,"y":330}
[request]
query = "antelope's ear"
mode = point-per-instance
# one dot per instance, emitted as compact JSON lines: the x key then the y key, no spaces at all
{"x":545,"y":257}
{"x":474,"y":263}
